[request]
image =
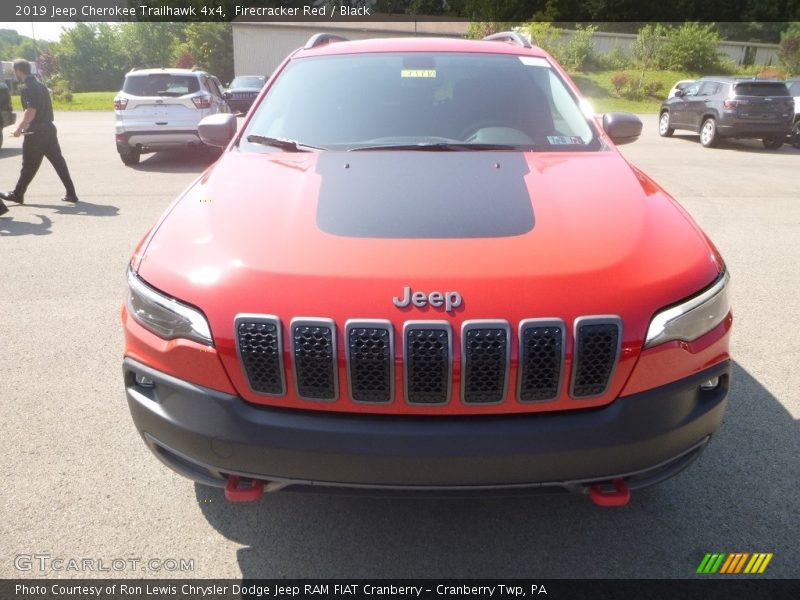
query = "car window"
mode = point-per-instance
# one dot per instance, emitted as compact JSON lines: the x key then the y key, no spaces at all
{"x":160,"y":84}
{"x":248,"y":81}
{"x":761,"y":88}
{"x":362,"y":100}
{"x":709,"y":88}
{"x":692,"y":90}
{"x":794,"y":88}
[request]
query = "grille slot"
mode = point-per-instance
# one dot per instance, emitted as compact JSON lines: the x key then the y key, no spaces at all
{"x":260,"y":345}
{"x":597,"y":347}
{"x":427,"y":353}
{"x":541,"y":359}
{"x":485,"y":354}
{"x":314,"y":358}
{"x":370,"y":360}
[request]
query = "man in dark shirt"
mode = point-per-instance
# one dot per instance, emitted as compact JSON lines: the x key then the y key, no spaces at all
{"x":41,"y":139}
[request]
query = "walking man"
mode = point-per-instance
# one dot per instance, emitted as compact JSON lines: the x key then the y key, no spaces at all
{"x":41,"y":140}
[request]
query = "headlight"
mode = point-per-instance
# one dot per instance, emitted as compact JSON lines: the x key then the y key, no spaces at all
{"x":165,"y":316}
{"x":691,"y":318}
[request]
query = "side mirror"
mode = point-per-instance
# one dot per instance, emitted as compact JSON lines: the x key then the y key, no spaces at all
{"x":679,"y":93}
{"x":217,"y":130}
{"x":621,"y":127}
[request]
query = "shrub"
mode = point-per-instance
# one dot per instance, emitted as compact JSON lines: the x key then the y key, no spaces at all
{"x":771,"y":73}
{"x":577,"y":54}
{"x":654,"y":88}
{"x":616,"y":58}
{"x":693,"y":47}
{"x":649,"y":47}
{"x":789,"y":52}
{"x":619,"y":81}
{"x":546,"y":36}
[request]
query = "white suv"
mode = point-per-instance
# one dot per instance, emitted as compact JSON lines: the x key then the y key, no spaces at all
{"x":160,"y":108}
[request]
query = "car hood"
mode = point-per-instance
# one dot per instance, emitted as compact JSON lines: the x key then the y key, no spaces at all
{"x":339,"y":234}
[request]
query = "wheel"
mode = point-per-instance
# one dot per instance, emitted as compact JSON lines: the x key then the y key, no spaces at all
{"x":664,"y":130}
{"x":708,"y":133}
{"x":129,"y":156}
{"x":773,"y":143}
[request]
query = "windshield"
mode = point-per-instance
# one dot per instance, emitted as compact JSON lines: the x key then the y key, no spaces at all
{"x":160,"y":84}
{"x":794,"y":87}
{"x":761,"y":88}
{"x":248,"y":81}
{"x":436,"y":100}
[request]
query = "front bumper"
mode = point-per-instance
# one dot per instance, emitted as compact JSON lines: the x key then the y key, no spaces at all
{"x":208,"y":435}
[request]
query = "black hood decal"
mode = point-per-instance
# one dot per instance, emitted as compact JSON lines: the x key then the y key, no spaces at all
{"x":421,"y":194}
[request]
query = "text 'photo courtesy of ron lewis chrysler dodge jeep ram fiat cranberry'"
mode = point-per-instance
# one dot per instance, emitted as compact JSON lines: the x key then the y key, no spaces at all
{"x":422,"y":265}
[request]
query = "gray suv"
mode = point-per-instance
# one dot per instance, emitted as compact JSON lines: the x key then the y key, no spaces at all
{"x":161,"y":108}
{"x":726,"y":107}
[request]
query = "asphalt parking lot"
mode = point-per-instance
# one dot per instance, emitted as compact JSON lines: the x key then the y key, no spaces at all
{"x":79,"y":483}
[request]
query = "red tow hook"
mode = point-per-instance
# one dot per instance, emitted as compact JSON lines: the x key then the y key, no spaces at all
{"x":234,"y":492}
{"x":619,"y":496}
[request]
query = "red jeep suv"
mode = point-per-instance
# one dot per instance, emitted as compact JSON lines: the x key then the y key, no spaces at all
{"x":421,"y":264}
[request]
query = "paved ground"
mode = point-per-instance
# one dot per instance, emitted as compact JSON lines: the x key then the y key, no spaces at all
{"x":79,"y":483}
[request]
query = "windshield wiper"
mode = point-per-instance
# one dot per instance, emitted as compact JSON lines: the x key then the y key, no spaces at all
{"x":283,"y":143}
{"x":446,"y":147}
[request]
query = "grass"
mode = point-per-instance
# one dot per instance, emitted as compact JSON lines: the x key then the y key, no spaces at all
{"x":80,"y":101}
{"x":597,"y":87}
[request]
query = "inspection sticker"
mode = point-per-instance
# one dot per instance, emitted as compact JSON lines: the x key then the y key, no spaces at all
{"x":418,"y":73}
{"x":564,"y":140}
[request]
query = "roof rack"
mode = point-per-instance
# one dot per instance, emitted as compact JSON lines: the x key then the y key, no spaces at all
{"x":512,"y":37}
{"x":318,"y":39}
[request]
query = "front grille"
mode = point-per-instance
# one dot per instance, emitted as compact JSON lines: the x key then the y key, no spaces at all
{"x":314,"y":358}
{"x":427,"y":359}
{"x":541,"y":359}
{"x":260,"y":346}
{"x":427,"y":350}
{"x":485,"y":354}
{"x":370,"y":360}
{"x":597,"y":346}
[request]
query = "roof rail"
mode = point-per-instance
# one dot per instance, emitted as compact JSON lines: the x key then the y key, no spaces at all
{"x":318,"y":39}
{"x":512,"y":37}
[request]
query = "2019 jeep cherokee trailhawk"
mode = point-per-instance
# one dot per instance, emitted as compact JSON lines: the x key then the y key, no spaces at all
{"x":419,"y":265}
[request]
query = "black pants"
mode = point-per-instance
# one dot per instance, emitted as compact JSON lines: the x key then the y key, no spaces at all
{"x":42,"y":143}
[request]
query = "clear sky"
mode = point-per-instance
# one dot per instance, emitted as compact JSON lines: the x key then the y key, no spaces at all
{"x":43,"y":31}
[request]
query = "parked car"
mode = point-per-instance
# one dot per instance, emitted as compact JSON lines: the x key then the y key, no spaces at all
{"x":793,"y":86}
{"x":680,"y":85}
{"x":420,"y":266}
{"x":242,"y":92}
{"x":725,"y":107}
{"x":7,"y":115}
{"x":159,"y":109}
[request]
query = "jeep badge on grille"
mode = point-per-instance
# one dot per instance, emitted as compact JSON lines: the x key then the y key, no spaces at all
{"x":449,"y":300}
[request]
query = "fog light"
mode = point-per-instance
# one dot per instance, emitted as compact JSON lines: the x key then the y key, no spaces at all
{"x":144,"y":382}
{"x":710,"y":384}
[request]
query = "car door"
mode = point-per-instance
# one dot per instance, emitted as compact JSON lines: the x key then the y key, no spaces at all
{"x":698,"y":104}
{"x":678,"y":110}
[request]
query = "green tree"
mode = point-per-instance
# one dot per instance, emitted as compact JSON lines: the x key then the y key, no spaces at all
{"x":211,"y":45}
{"x":90,"y":57}
{"x":150,"y":44}
{"x":789,"y":49}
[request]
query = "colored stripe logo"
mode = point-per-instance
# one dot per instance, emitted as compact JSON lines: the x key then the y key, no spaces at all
{"x":734,"y":563}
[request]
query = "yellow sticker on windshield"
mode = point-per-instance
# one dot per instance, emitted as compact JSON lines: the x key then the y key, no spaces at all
{"x":418,"y":73}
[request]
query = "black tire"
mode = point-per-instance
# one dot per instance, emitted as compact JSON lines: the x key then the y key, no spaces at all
{"x":1,"y":137}
{"x":773,"y":143}
{"x":129,"y":156}
{"x":708,"y":133}
{"x":664,"y":130}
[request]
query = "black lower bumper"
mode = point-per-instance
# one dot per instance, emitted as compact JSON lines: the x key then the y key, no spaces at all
{"x":207,"y":435}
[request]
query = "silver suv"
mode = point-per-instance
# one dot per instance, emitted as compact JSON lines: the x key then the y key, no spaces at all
{"x":160,"y":108}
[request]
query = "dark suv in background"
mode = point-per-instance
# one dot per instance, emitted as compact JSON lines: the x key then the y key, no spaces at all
{"x":725,"y":107}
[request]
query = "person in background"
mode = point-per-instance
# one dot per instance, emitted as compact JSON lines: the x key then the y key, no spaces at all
{"x":41,"y":139}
